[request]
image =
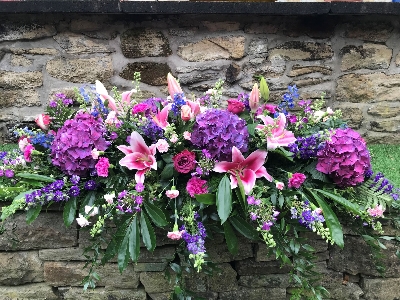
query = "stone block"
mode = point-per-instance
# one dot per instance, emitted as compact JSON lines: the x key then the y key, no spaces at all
{"x":225,"y":26}
{"x":20,"y":61}
{"x":258,"y":47}
{"x":141,"y":42}
{"x":156,"y":282}
{"x":366,"y":56}
{"x":353,"y":116}
{"x":262,"y":28}
{"x":20,"y":80}
{"x":372,"y":31}
{"x":298,"y":70}
{"x":297,"y":50}
{"x":382,"y":289}
{"x":384,"y":110}
{"x":309,"y":81}
{"x":382,"y":138}
{"x":19,"y":98}
{"x":219,"y":253}
{"x":12,"y":31}
{"x":367,"y":88}
{"x":81,"y":70}
{"x":254,"y":294}
{"x":267,"y":281}
{"x":225,"y":47}
{"x":34,"y":51}
{"x":73,"y":43}
{"x":33,"y":291}
{"x":150,"y":72}
{"x":72,"y":274}
{"x":20,"y":267}
{"x":47,"y":231}
{"x":62,"y":254}
{"x":251,"y":267}
{"x":356,"y":257}
{"x":391,"y":125}
{"x":73,"y":293}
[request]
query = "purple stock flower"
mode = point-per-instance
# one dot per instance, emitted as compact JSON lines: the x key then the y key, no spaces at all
{"x":74,"y":191}
{"x":9,"y":173}
{"x":218,"y":131}
{"x":90,"y":185}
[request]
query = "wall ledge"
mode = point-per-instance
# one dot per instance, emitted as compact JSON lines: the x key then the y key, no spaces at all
{"x":200,"y":7}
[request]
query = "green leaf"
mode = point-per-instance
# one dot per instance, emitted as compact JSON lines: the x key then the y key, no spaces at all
{"x":156,"y":214}
{"x":331,"y":220}
{"x":244,"y":227}
{"x":315,"y":174}
{"x":224,"y":199}
{"x":208,"y":199}
{"x":88,"y":200}
{"x":281,"y":200}
{"x":167,"y":158}
{"x":123,"y":252}
{"x":134,"y":239}
{"x":342,"y":201}
{"x":167,"y":172}
{"x":264,"y":90}
{"x":36,"y":177}
{"x":69,"y":212}
{"x":147,"y":231}
{"x":273,"y":198}
{"x":231,"y":239}
{"x":251,"y":128}
{"x":33,"y":213}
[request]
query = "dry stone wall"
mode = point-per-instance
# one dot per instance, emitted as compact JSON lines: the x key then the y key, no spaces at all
{"x":354,"y":60}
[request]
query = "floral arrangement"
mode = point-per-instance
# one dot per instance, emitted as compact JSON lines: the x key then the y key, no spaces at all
{"x":195,"y":167}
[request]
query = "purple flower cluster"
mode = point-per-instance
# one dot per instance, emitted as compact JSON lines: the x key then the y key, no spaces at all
{"x":178,"y":102}
{"x":128,"y":203}
{"x":307,"y":147}
{"x":287,"y":101}
{"x":382,"y":184}
{"x":218,"y":131}
{"x":195,"y":241}
{"x":152,"y":131}
{"x":51,"y":192}
{"x":345,"y":158}
{"x":72,"y":146}
{"x":307,"y":217}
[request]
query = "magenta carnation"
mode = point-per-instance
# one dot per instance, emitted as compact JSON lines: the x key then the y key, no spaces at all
{"x":196,"y":186}
{"x":345,"y":158}
{"x":72,"y":147}
{"x":102,"y":167}
{"x":218,"y":131}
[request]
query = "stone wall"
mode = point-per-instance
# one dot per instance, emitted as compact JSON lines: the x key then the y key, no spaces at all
{"x":45,"y":261}
{"x":353,"y":59}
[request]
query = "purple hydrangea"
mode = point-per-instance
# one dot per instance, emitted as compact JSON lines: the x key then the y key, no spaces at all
{"x":72,"y":146}
{"x":345,"y":158}
{"x":218,"y":131}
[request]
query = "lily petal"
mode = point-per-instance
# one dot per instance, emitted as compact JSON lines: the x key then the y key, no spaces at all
{"x":161,"y":118}
{"x":173,"y":86}
{"x":255,"y":160}
{"x":262,"y":172}
{"x":225,"y":166}
{"x":248,"y":178}
{"x":237,"y":156}
{"x":138,"y":144}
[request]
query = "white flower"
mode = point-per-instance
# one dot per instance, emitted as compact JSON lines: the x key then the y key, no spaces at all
{"x":93,"y":210}
{"x":109,"y":198}
{"x":82,"y":221}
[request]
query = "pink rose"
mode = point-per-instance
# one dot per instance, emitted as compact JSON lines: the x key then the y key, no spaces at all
{"x":187,"y":135}
{"x":186,"y":112}
{"x":184,"y":161}
{"x":162,"y":146}
{"x":296,"y":180}
{"x":235,"y":106}
{"x":171,"y":194}
{"x":280,"y":185}
{"x":102,"y":167}
{"x":43,"y":121}
{"x":175,"y":235}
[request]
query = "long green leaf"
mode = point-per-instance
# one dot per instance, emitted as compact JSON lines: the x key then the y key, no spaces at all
{"x":123,"y":252}
{"x":342,"y":201}
{"x":208,"y":199}
{"x":156,"y":214}
{"x":241,"y":195}
{"x":224,"y":199}
{"x":35,"y":177}
{"x":69,"y":212}
{"x":230,"y":238}
{"x":244,"y":227}
{"x":167,"y":172}
{"x":134,"y":239}
{"x":33,"y":213}
{"x":331,"y":220}
{"x":148,"y":235}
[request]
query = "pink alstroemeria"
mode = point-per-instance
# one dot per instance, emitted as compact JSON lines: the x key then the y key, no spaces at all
{"x":138,"y":156}
{"x":254,"y":98}
{"x":275,"y":132}
{"x":101,"y":90}
{"x":161,"y":118}
{"x":173,"y":86}
{"x":248,"y":169}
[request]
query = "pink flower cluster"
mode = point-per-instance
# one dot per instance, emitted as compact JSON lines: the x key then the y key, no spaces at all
{"x":296,"y":180}
{"x":196,"y":186}
{"x":376,"y":212}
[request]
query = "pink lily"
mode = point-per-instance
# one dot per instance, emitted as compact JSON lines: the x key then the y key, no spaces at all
{"x":254,"y":98}
{"x":248,"y":169}
{"x":275,"y":132}
{"x":161,"y":118}
{"x":101,"y":90}
{"x":190,"y":110}
{"x":126,"y":96}
{"x":173,"y":86}
{"x":138,"y":156}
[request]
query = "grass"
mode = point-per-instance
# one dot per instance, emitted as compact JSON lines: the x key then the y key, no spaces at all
{"x":384,"y":159}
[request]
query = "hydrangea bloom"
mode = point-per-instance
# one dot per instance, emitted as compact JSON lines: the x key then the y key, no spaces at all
{"x":72,"y":148}
{"x":345,"y":158}
{"x":218,"y":131}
